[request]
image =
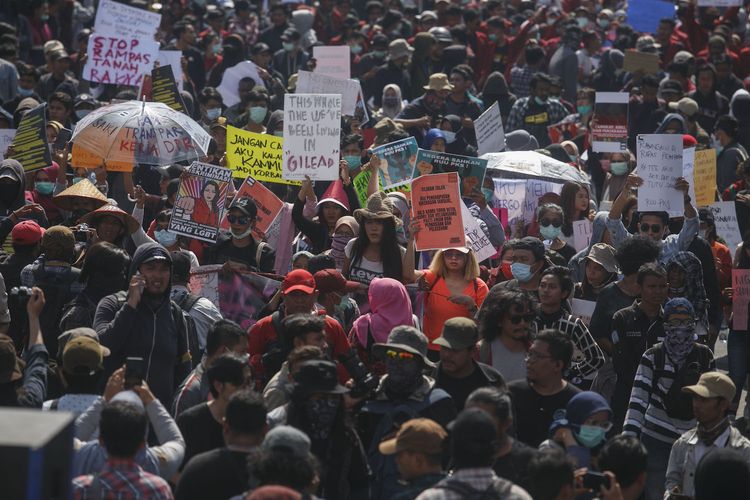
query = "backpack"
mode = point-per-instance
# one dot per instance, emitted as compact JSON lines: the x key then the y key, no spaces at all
{"x":679,"y":405}
{"x":276,"y":351}
{"x":187,"y":302}
{"x":497,"y":490}
{"x":56,"y":288}
{"x":81,"y":311}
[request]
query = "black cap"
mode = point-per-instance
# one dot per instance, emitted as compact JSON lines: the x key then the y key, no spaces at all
{"x":320,"y":262}
{"x":319,"y":376}
{"x":705,"y":215}
{"x":671,"y":86}
{"x":83,"y":99}
{"x":380,"y":40}
{"x":290,"y":34}
{"x":259,"y":48}
{"x":246,"y":206}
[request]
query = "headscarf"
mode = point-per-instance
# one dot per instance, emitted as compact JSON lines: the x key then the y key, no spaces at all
{"x":339,"y":242}
{"x":431,"y":136}
{"x":670,"y":118}
{"x":273,"y":120}
{"x":389,"y":307}
{"x":694,"y":290}
{"x":557,"y":152}
{"x":574,"y":146}
{"x":520,"y":140}
{"x":52,"y":211}
{"x":392,"y":111}
{"x":679,"y":341}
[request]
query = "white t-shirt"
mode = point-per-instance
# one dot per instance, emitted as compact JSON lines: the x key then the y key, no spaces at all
{"x":364,"y":271}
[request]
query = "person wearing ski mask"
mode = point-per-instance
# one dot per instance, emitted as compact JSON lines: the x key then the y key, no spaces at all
{"x":346,"y":228}
{"x":238,"y":250}
{"x":13,"y":206}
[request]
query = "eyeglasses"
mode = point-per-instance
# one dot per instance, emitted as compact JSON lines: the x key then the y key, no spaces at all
{"x":402,"y":355}
{"x":526,"y":318}
{"x":547,"y":222}
{"x":239,"y":219}
{"x":678,"y":323}
{"x":654,"y":228}
{"x":453,"y":254}
{"x":535,"y":356}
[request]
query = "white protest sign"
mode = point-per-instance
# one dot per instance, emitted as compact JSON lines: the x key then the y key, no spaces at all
{"x":660,"y":165}
{"x":719,"y":3}
{"x":535,"y":189}
{"x":582,"y":230}
{"x":584,"y":309}
{"x":333,"y":61}
{"x":510,"y":195}
{"x":489,"y":131}
{"x":6,"y":139}
{"x":688,"y":169}
{"x":316,"y":83}
{"x":312,"y":126}
{"x":122,"y":48}
{"x":172,"y":58}
{"x":230,"y":82}
{"x":475,"y":237}
{"x":725,"y":218}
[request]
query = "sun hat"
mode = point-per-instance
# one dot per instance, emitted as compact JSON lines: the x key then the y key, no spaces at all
{"x":378,"y":207}
{"x":84,"y":189}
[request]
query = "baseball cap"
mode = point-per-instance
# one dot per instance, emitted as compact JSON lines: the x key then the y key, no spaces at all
{"x":686,"y":106}
{"x":246,"y":206}
{"x":27,"y":233}
{"x":713,"y":385}
{"x":319,"y":376}
{"x":299,"y":279}
{"x":458,"y":333}
{"x":331,"y":280}
{"x":85,"y":99}
{"x":69,"y":335}
{"x":418,"y":434}
{"x":10,"y":366}
{"x":59,"y":54}
{"x":82,"y":355}
{"x":286,"y":436}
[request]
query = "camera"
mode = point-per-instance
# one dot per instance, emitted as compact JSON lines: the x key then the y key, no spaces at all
{"x":364,"y":381}
{"x":82,"y":233}
{"x":20,"y":294}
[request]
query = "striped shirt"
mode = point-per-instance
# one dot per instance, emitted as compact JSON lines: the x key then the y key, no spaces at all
{"x":121,"y":480}
{"x":646,"y":410}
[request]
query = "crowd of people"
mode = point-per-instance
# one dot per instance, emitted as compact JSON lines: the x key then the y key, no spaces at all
{"x":378,"y":371}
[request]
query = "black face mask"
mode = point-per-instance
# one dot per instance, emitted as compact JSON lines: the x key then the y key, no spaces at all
{"x":8,"y":193}
{"x":403,"y":376}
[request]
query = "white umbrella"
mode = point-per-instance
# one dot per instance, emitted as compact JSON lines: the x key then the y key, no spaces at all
{"x":530,"y":164}
{"x":150,"y":133}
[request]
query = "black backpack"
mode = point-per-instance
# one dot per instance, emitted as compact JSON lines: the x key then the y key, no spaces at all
{"x":497,"y":490}
{"x":677,"y":404}
{"x":56,"y":288}
{"x":187,"y":302}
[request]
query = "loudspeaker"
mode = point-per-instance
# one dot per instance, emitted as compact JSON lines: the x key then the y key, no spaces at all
{"x":36,"y":454}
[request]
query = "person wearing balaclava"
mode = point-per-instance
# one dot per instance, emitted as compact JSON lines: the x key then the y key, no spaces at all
{"x":405,"y":357}
{"x":655,"y":414}
{"x":143,"y":323}
{"x":13,"y":205}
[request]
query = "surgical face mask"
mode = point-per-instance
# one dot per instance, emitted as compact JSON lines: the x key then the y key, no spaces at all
{"x":81,"y":113}
{"x":321,"y":414}
{"x":244,"y":234}
{"x":618,"y":167}
{"x":573,"y":158}
{"x":354,"y":161}
{"x":44,"y":18}
{"x":25,"y":92}
{"x":522,"y":272}
{"x":540,"y":101}
{"x":166,"y":237}
{"x":379,"y":53}
{"x":356,"y":49}
{"x":450,"y":137}
{"x":582,"y":22}
{"x":216,"y":48}
{"x":278,"y":133}
{"x":44,"y":187}
{"x":549,"y":232}
{"x":590,"y":436}
{"x":288,"y":46}
{"x":585,"y":109}
{"x":603,"y":23}
{"x":258,"y":113}
{"x":213,"y":113}
{"x":488,"y":194}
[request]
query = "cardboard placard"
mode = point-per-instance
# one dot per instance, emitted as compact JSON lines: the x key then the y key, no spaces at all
{"x":30,"y":141}
{"x":164,"y":88}
{"x":172,"y":58}
{"x":610,"y":135}
{"x":584,"y":309}
{"x":704,"y":177}
{"x":476,"y":240}
{"x":436,"y":203}
{"x":6,"y":139}
{"x":582,"y":231}
{"x":641,"y":61}
{"x":660,"y":165}
{"x":471,"y":170}
{"x":200,"y":202}
{"x":688,"y":169}
{"x":489,"y":131}
{"x":230,"y":81}
{"x":256,"y":155}
{"x":740,"y":298}
{"x":395,"y":162}
{"x":334,"y":60}
{"x":317,"y":83}
{"x":727,"y":227}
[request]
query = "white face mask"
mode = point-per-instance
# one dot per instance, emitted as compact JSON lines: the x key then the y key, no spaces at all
{"x":450,"y":137}
{"x":239,"y":236}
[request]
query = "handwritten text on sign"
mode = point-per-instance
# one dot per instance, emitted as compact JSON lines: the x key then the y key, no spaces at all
{"x":660,"y":165}
{"x":727,"y":227}
{"x":582,"y":231}
{"x":312,"y":126}
{"x":256,"y":155}
{"x":740,"y":298}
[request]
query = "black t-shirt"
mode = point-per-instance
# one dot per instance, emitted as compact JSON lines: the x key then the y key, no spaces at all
{"x":219,"y":474}
{"x":611,"y":299}
{"x":534,"y":412}
{"x":201,"y":431}
{"x":460,"y":388}
{"x":514,"y":466}
{"x":224,"y":251}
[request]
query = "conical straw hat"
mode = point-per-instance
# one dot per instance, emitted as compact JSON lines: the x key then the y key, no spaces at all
{"x":83,"y":189}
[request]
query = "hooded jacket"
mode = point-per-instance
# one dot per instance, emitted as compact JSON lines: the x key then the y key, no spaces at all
{"x":151,"y":334}
{"x":15,"y":198}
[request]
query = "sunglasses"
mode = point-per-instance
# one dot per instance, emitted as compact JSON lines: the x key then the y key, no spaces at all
{"x":402,"y":355}
{"x":547,"y":222}
{"x":453,"y":254}
{"x":654,"y":228}
{"x":239,"y":219}
{"x":678,"y":323}
{"x":517,"y":318}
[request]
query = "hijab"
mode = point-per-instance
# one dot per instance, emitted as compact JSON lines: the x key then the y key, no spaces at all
{"x":52,"y":211}
{"x":392,"y":111}
{"x":389,"y":307}
{"x":668,"y":119}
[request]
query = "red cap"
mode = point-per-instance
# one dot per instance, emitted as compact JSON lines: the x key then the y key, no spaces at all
{"x":27,"y":233}
{"x":688,"y":141}
{"x":299,"y":279}
{"x":331,"y":280}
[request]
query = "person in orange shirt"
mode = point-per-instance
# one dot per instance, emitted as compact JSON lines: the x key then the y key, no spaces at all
{"x":451,"y":285}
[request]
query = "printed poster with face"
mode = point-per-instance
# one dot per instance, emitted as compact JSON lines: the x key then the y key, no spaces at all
{"x":200,"y":202}
{"x":470,"y":170}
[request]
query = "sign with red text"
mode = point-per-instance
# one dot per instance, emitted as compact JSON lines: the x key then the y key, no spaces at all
{"x":269,"y":206}
{"x":436,"y":204}
{"x":200,"y":201}
{"x":610,"y":132}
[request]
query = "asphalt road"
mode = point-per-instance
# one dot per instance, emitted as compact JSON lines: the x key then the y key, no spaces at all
{"x":720,"y":354}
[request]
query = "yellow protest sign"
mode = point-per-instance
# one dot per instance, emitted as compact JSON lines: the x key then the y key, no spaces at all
{"x":704,"y":177}
{"x":83,"y":158}
{"x":257,"y":155}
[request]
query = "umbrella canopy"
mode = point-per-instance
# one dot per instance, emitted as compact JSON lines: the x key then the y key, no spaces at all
{"x":530,"y":164}
{"x":151,"y":133}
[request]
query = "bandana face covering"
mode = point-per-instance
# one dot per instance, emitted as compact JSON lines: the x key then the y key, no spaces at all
{"x":403,"y":375}
{"x":320,"y":415}
{"x":338,"y":242}
{"x":678,"y":342}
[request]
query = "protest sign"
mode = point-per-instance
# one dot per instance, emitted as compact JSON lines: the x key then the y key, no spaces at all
{"x":510,"y":195}
{"x":395,"y":161}
{"x":719,"y":3}
{"x":489,"y":131}
{"x":660,"y":165}
{"x":200,"y":201}
{"x":470,"y":170}
{"x":172,"y":58}
{"x":688,"y":171}
{"x":6,"y":139}
{"x":164,"y":88}
{"x":333,"y":61}
{"x":704,"y":177}
{"x":646,"y":62}
{"x":740,"y":298}
{"x":436,"y":205}
{"x":610,"y":133}
{"x":566,"y":130}
{"x":230,"y":82}
{"x":204,"y":282}
{"x":122,"y":47}
{"x":312,"y":126}
{"x":360,"y":183}
{"x":269,"y":205}
{"x":727,"y":227}
{"x":258,"y":155}
{"x":584,"y":309}
{"x":535,"y":189}
{"x":82,"y":157}
{"x":644,"y":15}
{"x":476,"y":239}
{"x":316,"y":83}
{"x":30,"y":142}
{"x":582,"y":231}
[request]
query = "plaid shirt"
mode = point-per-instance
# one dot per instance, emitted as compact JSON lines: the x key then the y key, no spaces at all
{"x":520,"y":80}
{"x":122,"y":480}
{"x":478,"y":478}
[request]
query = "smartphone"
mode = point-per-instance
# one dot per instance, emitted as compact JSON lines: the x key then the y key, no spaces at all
{"x":62,"y":140}
{"x":134,"y":372}
{"x":594,"y":481}
{"x":142,"y":285}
